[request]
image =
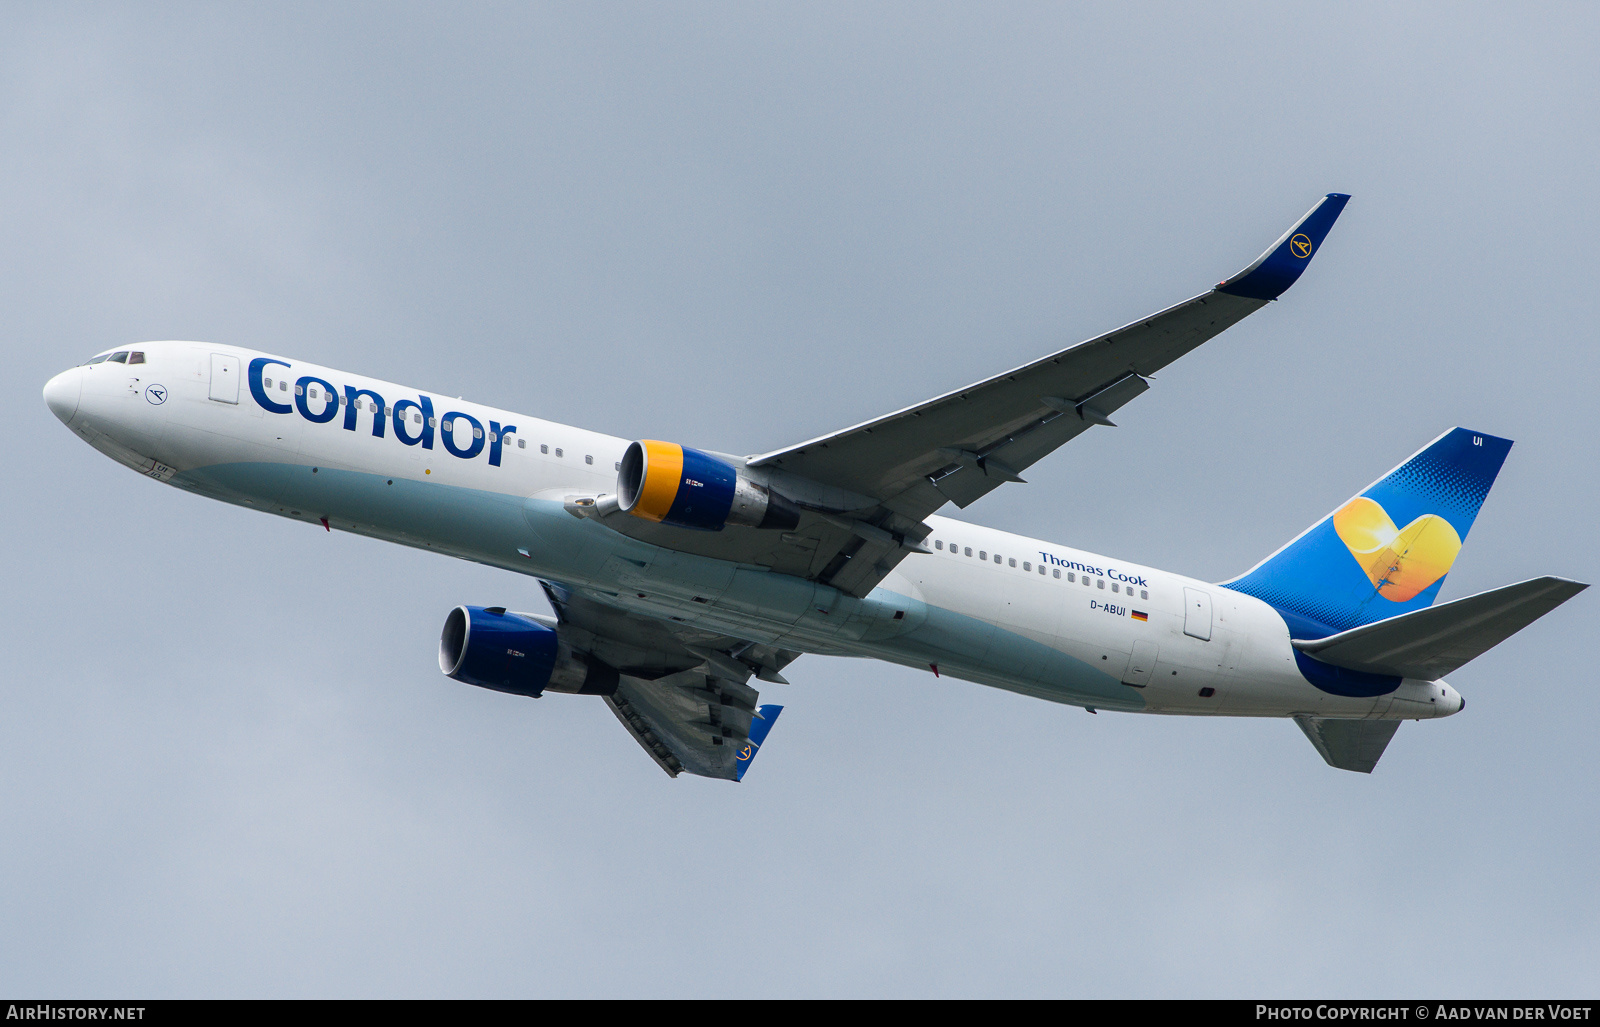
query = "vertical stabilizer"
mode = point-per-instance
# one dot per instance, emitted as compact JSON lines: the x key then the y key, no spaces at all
{"x":1387,"y":550}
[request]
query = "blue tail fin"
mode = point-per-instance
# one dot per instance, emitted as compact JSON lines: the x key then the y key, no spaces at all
{"x":1386,"y":551}
{"x":760,"y":724}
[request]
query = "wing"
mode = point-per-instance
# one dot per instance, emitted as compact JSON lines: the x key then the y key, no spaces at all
{"x":959,"y":446}
{"x":684,"y":695}
{"x":865,"y":490}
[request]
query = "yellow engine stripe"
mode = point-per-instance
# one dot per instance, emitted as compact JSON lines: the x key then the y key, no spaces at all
{"x":663,"y":473}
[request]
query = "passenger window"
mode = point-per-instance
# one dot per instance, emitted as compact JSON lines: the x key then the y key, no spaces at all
{"x":416,"y":417}
{"x":558,"y":451}
{"x":1012,"y":562}
{"x":969,"y":550}
{"x":1025,"y":565}
{"x":119,"y":357}
{"x":544,"y":449}
{"x":1102,"y":583}
{"x":1143,"y":594}
{"x":135,"y":357}
{"x":1055,"y":573}
{"x":491,"y":436}
{"x":983,"y":555}
{"x":1041,"y":570}
{"x":617,"y":466}
{"x":588,"y":459}
{"x":267,"y":382}
{"x":1114,"y":587}
{"x":937,"y":544}
{"x":477,"y":433}
{"x":299,"y":390}
{"x":522,"y":443}
{"x":283,"y":386}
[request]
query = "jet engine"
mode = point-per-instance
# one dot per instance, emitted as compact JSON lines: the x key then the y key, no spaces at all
{"x":520,"y":653}
{"x":673,"y":484}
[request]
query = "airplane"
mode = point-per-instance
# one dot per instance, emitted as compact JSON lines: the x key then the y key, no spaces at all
{"x":680,"y":577}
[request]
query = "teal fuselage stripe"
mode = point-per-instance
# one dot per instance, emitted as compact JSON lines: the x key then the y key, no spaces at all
{"x":492,"y":528}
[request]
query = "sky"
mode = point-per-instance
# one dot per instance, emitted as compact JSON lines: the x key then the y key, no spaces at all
{"x":229,"y":765}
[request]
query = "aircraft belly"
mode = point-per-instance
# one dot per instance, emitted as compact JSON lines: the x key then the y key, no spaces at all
{"x":483,"y":526}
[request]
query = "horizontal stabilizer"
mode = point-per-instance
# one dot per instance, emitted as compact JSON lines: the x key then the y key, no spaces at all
{"x":1432,"y":642}
{"x":1349,"y":744}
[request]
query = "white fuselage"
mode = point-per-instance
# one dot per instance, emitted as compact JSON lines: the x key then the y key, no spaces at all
{"x":986,"y":606}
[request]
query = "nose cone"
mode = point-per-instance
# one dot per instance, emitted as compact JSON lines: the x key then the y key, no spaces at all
{"x":61,"y":394}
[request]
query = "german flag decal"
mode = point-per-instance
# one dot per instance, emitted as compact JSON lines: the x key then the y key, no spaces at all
{"x":1140,"y":615}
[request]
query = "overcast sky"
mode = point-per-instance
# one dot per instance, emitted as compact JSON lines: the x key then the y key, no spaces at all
{"x":228,"y":762}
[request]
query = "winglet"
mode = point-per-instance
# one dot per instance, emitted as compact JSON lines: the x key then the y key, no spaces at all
{"x":760,"y":724}
{"x":1275,"y":270}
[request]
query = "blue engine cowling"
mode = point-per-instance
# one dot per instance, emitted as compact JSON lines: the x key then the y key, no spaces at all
{"x":520,"y":653}
{"x":688,"y":488}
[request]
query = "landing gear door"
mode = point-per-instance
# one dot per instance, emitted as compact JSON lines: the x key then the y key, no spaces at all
{"x":1197,"y":614}
{"x":225,"y":378}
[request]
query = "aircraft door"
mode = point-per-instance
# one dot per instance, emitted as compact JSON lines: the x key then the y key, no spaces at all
{"x":225,"y":378}
{"x":1197,"y":614}
{"x":1141,"y":664}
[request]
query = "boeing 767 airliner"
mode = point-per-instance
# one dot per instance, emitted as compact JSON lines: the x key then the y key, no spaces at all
{"x":680,"y":576}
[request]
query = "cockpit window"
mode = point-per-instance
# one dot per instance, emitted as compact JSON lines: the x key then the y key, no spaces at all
{"x":119,"y":357}
{"x":96,"y":360}
{"x":136,"y":357}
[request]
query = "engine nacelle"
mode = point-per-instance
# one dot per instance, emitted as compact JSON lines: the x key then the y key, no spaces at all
{"x":520,"y":653}
{"x":673,"y":484}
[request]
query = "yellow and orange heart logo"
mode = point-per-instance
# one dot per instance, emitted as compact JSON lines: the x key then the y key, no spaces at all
{"x":1399,"y":562}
